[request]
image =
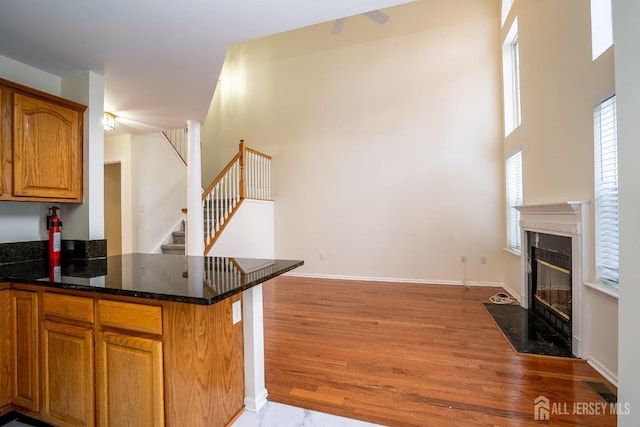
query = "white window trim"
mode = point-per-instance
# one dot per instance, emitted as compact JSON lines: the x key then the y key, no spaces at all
{"x":514,"y":197}
{"x":606,"y":192}
{"x":511,"y":79}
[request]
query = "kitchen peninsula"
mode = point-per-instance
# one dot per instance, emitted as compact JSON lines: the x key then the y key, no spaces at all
{"x":138,"y":339}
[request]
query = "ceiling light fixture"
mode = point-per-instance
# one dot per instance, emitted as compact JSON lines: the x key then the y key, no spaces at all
{"x":109,"y":121}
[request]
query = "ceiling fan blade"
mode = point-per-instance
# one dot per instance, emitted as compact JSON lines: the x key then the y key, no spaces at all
{"x":337,"y":26}
{"x":377,"y":16}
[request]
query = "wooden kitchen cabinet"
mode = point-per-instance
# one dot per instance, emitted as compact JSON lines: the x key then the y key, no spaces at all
{"x":79,"y":359}
{"x":41,"y":146}
{"x":129,"y":365}
{"x":67,"y":374}
{"x":5,"y":143}
{"x":24,"y":357}
{"x":67,"y":358}
{"x":129,"y":381}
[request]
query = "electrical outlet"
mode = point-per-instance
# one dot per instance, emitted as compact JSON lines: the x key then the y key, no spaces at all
{"x":483,"y":259}
{"x":236,"y":309}
{"x":322,"y":256}
{"x":463,"y":259}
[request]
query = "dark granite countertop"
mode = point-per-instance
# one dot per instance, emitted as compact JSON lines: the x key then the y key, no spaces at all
{"x":179,"y":278}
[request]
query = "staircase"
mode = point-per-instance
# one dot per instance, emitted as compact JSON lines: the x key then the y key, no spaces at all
{"x":177,"y":245}
{"x":246,"y":176}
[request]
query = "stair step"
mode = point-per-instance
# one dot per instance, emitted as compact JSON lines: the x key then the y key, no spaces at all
{"x":173,"y":248}
{"x":178,"y":237}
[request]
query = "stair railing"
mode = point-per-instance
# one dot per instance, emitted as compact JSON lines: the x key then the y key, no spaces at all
{"x":246,"y":176}
{"x":179,"y":140}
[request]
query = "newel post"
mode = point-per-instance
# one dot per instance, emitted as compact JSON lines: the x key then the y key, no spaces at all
{"x":243,"y":171}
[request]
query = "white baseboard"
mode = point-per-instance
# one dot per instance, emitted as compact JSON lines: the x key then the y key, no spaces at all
{"x":255,"y":404}
{"x":513,"y":293}
{"x":602,"y":369}
{"x":396,"y":280}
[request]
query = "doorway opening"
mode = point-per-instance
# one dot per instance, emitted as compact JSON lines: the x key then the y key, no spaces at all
{"x":113,"y":208}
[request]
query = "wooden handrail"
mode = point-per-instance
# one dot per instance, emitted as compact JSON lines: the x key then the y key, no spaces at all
{"x":256,"y":152}
{"x":247,"y":175}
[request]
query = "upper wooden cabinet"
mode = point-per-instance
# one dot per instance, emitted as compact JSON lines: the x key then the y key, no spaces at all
{"x":41,"y":146}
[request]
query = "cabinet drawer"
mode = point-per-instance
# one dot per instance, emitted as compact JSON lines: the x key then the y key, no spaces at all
{"x":134,"y":317}
{"x":68,"y":307}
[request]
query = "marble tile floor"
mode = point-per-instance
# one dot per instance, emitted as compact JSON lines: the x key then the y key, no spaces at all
{"x":279,"y":415}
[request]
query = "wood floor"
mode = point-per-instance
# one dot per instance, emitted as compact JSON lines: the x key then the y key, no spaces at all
{"x":412,"y":355}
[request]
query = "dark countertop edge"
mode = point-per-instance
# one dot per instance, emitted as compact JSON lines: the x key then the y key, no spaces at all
{"x":150,"y":295}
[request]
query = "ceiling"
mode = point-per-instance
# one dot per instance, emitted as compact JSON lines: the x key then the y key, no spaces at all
{"x":160,"y":58}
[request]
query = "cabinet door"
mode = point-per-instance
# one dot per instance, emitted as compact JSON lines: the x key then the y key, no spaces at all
{"x":67,"y":374}
{"x":47,"y":150}
{"x":5,"y":347}
{"x":5,"y":143}
{"x":24,"y":360}
{"x":129,"y":381}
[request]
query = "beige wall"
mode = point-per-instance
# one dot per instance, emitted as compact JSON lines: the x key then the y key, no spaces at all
{"x":386,"y":141}
{"x":560,"y":84}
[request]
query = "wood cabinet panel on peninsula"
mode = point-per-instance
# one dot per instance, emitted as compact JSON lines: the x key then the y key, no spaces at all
{"x":41,"y":139}
{"x":86,"y":359}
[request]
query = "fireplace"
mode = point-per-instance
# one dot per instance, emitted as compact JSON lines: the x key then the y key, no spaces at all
{"x":555,"y":258}
{"x":549,"y":281}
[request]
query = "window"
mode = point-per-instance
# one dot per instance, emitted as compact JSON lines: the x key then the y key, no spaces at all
{"x":514,"y":198}
{"x":511,"y":79}
{"x":601,"y":27}
{"x":606,"y":191}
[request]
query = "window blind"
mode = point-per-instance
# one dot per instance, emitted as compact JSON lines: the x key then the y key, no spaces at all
{"x":514,"y":198}
{"x":606,"y":191}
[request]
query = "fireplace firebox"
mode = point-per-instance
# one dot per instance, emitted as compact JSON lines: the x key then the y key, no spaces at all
{"x":550,"y":279}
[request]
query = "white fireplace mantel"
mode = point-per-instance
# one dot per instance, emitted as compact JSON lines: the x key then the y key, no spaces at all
{"x":569,"y":219}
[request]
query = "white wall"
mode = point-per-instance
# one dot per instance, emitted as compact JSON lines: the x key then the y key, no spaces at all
{"x":22,"y":221}
{"x":385,"y":141}
{"x":626,"y":15}
{"x":86,"y":220}
{"x":154,"y":180}
{"x":29,"y":76}
{"x":250,"y":233}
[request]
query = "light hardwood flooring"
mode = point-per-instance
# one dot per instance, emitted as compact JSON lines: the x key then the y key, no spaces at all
{"x":412,"y":355}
